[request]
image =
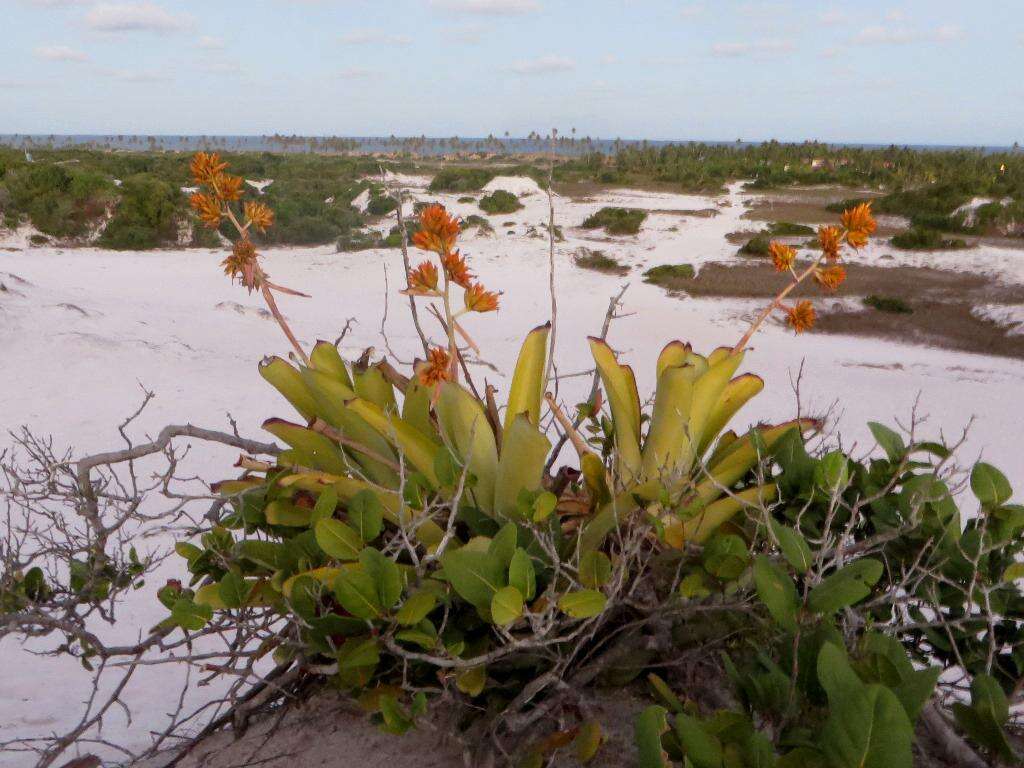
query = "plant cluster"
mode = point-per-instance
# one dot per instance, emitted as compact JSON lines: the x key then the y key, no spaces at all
{"x":500,"y":201}
{"x":616,"y":221}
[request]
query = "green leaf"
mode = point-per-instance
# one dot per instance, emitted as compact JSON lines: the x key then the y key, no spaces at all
{"x":777,"y":592}
{"x":357,"y":593}
{"x":338,"y":540}
{"x":475,"y":576}
{"x":385,"y":574}
{"x":521,"y":574}
{"x":583,"y":604}
{"x":595,"y":569}
{"x":984,"y":721}
{"x":359,"y":652}
{"x":702,"y":748}
{"x":663,"y":692}
{"x":416,"y":607}
{"x":867,"y":726}
{"x":234,"y":590}
{"x":726,"y":556}
{"x":890,"y":441}
{"x":188,"y":551}
{"x":832,"y":474}
{"x":847,"y":586}
{"x":588,"y":741}
{"x":990,"y":485}
{"x":503,"y":545}
{"x":793,"y":545}
{"x":1013,"y":572}
{"x":366,"y":514}
{"x":506,"y":606}
{"x":648,"y":729}
{"x":915,"y":691}
{"x":543,"y":506}
{"x":190,"y":616}
{"x":325,"y":506}
{"x":471,"y":681}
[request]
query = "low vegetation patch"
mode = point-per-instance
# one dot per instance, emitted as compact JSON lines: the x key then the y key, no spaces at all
{"x":455,"y":179}
{"x":921,"y":239}
{"x":500,"y":201}
{"x":670,"y":276}
{"x":789,"y":229}
{"x":599,"y":261}
{"x":758,"y":245}
{"x":891,"y":304}
{"x":616,"y":221}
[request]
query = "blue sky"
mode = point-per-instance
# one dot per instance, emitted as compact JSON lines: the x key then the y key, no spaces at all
{"x":918,"y":71}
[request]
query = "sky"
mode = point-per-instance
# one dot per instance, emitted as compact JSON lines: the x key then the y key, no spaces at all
{"x":912,"y":72}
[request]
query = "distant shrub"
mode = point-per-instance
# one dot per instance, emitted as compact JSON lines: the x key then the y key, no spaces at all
{"x":842,"y":205}
{"x":467,"y":199}
{"x":599,"y":262}
{"x":381,"y":205}
{"x":921,"y":239}
{"x":756,"y":246}
{"x":475,"y":220}
{"x":670,"y":275}
{"x":359,"y":240}
{"x":788,"y":228}
{"x":500,"y":201}
{"x":38,"y":239}
{"x":616,"y":221}
{"x":146,"y":217}
{"x":62,"y":201}
{"x":461,"y":179}
{"x":890,"y":304}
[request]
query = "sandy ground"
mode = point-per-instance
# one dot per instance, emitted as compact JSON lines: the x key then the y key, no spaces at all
{"x":81,"y":330}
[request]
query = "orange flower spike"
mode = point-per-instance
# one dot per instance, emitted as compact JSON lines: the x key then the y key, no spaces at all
{"x":479,"y":299}
{"x":436,"y":369}
{"x":859,"y":219}
{"x":828,"y":239}
{"x":259,"y":215}
{"x":782,"y":255}
{"x":207,"y":208}
{"x":438,"y":231}
{"x":206,"y":167}
{"x":457,"y":270}
{"x":423,"y":279}
{"x":241,"y":263}
{"x":831,"y":277}
{"x":228,"y":187}
{"x":801,"y":317}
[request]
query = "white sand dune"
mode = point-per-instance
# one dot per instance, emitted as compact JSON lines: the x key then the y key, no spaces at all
{"x":520,"y":186}
{"x":81,"y":329}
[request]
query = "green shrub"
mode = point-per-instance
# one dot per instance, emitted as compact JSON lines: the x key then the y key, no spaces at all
{"x":787,"y":229}
{"x":467,"y":199}
{"x":670,"y":275}
{"x":616,"y":221}
{"x":37,"y":239}
{"x":758,"y":245}
{"x":59,"y":200}
{"x":892,"y":304}
{"x":599,"y":262}
{"x":920,"y":239}
{"x":457,"y":179}
{"x":500,"y":201}
{"x":147,"y":215}
{"x":475,"y":220}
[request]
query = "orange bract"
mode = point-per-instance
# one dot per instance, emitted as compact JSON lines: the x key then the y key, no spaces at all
{"x":438,"y":231}
{"x":782,"y":255}
{"x":479,"y":299}
{"x":456,"y":269}
{"x":859,"y":219}
{"x":228,"y":187}
{"x":831,"y":276}
{"x":206,"y":167}
{"x":208,"y":208}
{"x":801,"y":317}
{"x":423,"y":279}
{"x":436,"y":369}
{"x":241,"y":263}
{"x":259,"y":215}
{"x":828,"y":239}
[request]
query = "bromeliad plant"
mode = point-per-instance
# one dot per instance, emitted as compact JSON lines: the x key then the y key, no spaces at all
{"x":411,"y":545}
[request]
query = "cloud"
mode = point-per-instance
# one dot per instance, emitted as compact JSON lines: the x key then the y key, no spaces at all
{"x":754,"y":48}
{"x":56,"y":3}
{"x":948,"y":33}
{"x":488,"y":7}
{"x":208,"y":43}
{"x":690,"y":10}
{"x":374,"y":36}
{"x":833,"y":17}
{"x":879,"y":35}
{"x":135,"y":75}
{"x":469,"y":34}
{"x":60,"y":53}
{"x":135,"y":17}
{"x":543,"y":65}
{"x":895,"y":14}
